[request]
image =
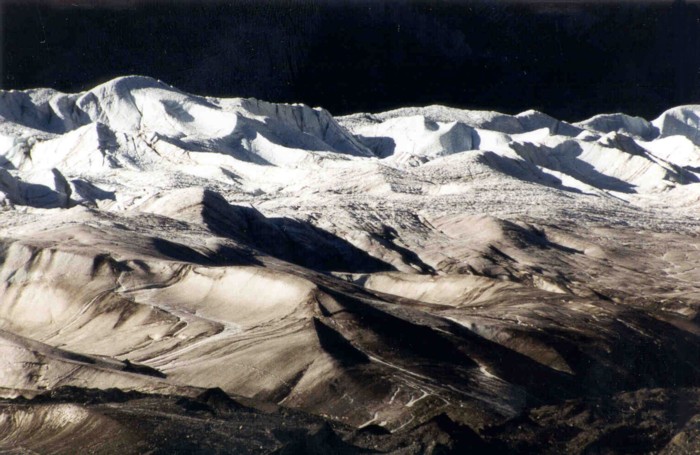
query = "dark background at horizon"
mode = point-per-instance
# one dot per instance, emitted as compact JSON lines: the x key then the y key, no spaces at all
{"x":568,"y":59}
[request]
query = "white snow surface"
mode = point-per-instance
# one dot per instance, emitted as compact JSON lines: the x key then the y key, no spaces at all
{"x":133,"y":137}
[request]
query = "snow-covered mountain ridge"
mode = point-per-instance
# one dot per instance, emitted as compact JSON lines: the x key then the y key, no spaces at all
{"x":60,"y":147}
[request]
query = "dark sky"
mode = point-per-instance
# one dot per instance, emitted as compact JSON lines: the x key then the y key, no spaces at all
{"x":570,"y":59}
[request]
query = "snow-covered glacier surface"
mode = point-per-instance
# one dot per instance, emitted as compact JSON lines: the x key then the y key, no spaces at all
{"x":411,"y":281}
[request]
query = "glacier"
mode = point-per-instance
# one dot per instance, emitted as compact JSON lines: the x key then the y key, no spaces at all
{"x":416,"y":280}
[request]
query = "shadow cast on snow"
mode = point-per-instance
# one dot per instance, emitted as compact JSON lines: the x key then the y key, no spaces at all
{"x":290,"y":240}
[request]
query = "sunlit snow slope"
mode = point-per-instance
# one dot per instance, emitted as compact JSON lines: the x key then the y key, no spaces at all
{"x":373,"y":269}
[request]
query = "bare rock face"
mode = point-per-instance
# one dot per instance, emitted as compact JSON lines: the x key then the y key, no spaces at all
{"x":196,"y":274}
